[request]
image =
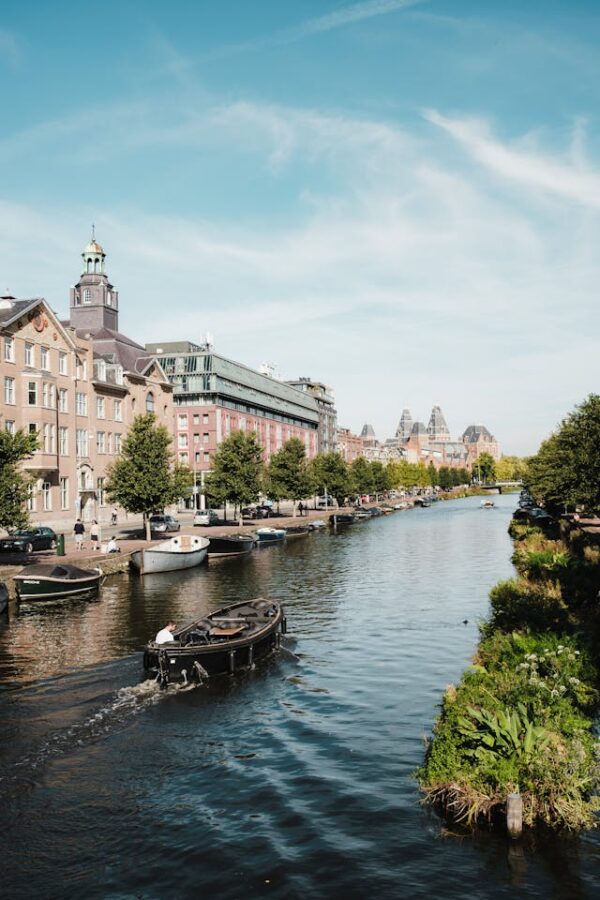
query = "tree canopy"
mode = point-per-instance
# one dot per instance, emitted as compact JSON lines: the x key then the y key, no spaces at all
{"x":484,"y":468}
{"x":14,"y":484}
{"x":362,"y":476}
{"x":145,"y":478}
{"x":566,"y":470}
{"x":237,"y":471}
{"x":287,"y":476}
{"x":330,"y":473}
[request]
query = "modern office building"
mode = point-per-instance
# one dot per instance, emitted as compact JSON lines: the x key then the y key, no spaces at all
{"x":327,"y":437}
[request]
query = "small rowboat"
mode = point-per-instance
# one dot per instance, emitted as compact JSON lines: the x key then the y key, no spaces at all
{"x":231,"y":545}
{"x":232,"y":638}
{"x":295,"y":531}
{"x":342,"y":519}
{"x":270,"y":535}
{"x":56,"y":582}
{"x":182,"y":552}
{"x":487,"y":504}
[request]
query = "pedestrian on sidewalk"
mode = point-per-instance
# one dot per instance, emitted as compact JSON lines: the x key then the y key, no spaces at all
{"x":300,"y":508}
{"x":95,"y":534}
{"x":113,"y":517}
{"x":79,"y":532}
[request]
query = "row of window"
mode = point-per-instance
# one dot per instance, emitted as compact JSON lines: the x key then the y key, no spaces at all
{"x":183,"y":439}
{"x":182,"y":420}
{"x":48,"y":397}
{"x":106,"y":442}
{"x":45,"y":492}
{"x":184,"y":458}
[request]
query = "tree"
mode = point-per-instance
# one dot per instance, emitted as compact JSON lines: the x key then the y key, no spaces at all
{"x":445,"y":479}
{"x":237,"y":472}
{"x":381,"y":477}
{"x":14,"y":484}
{"x":484,"y":468}
{"x":510,"y":468}
{"x":145,"y":477}
{"x":432,"y":474}
{"x":330,"y":473}
{"x":566,"y":469}
{"x":287,"y":476}
{"x":362,"y":476}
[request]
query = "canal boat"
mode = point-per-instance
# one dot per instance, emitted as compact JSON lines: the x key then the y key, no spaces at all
{"x":269,"y":535}
{"x":55,"y":582}
{"x":3,"y":597}
{"x":231,"y":545}
{"x":342,"y":519}
{"x":361,"y":515}
{"x":295,"y":531}
{"x":487,"y":504}
{"x":232,"y":638}
{"x":182,"y":552}
{"x":316,"y":524}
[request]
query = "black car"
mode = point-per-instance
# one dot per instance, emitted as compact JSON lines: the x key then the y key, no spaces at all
{"x":25,"y":540}
{"x":256,"y":512}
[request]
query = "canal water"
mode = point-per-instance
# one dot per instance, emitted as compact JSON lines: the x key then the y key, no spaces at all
{"x":293,"y":780}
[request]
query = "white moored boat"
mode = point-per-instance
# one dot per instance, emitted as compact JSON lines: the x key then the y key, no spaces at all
{"x":181,"y":552}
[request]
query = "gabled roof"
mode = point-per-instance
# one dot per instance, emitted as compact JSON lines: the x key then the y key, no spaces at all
{"x":19,"y":308}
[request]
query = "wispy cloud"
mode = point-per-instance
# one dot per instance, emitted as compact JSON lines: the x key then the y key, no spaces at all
{"x":347,"y":15}
{"x":570,"y":180}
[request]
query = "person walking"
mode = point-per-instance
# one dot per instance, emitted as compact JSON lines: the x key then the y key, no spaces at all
{"x":79,"y":532}
{"x":95,"y":534}
{"x":113,"y":517}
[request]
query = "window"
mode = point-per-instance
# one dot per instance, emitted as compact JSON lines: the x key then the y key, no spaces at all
{"x":63,"y":363}
{"x":182,"y":421}
{"x":9,"y":349}
{"x":205,"y":438}
{"x":196,"y":438}
{"x":196,"y":457}
{"x":109,"y":442}
{"x":101,"y":370}
{"x":47,"y":395}
{"x":32,"y":428}
{"x":182,"y":440}
{"x":81,"y":404}
{"x":119,"y":375}
{"x":196,"y":420}
{"x":101,"y":492}
{"x":63,"y":400}
{"x":9,"y":425}
{"x":81,"y":442}
{"x":44,"y":358}
{"x":9,"y":390}
{"x":64,"y":493}
{"x":87,"y":295}
{"x":101,"y":441}
{"x":81,"y":369}
{"x":32,"y":393}
{"x":118,"y":409}
{"x":31,"y":498}
{"x":183,"y":457}
{"x":29,"y":355}
{"x":117,"y":441}
{"x":47,"y":495}
{"x":206,"y":457}
{"x":100,"y":405}
{"x":63,"y":440}
{"x":150,"y":402}
{"x":48,"y":438}
{"x":205,"y":418}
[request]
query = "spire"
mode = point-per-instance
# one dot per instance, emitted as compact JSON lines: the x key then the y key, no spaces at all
{"x":405,"y":425}
{"x":437,"y":428}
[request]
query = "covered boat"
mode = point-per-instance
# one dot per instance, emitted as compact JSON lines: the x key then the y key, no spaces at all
{"x":270,"y":535}
{"x":53,"y":582}
{"x":182,"y":552}
{"x":487,"y":504}
{"x":231,"y":545}
{"x":232,"y":638}
{"x":295,"y":531}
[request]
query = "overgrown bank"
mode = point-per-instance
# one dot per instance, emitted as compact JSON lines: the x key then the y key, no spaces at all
{"x":522,"y":717}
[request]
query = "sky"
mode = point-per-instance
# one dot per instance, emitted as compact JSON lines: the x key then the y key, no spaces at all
{"x":400,"y":199}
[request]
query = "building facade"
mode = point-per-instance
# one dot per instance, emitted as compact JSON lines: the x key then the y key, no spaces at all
{"x":215,"y":396}
{"x":323,"y":395}
{"x":349,"y":445}
{"x":78,"y":385}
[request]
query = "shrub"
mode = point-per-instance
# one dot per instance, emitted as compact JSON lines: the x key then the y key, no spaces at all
{"x":521,"y":604}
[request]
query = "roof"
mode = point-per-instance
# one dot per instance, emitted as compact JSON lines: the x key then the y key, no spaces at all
{"x":367,"y":431}
{"x":475,"y":433}
{"x":94,"y":247}
{"x":418,"y":428}
{"x":11,"y":309}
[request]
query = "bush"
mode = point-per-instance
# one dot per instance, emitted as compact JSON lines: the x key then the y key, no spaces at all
{"x":522,"y":604}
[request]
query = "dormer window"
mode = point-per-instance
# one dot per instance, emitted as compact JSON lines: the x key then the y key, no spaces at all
{"x":119,"y":375}
{"x":101,"y":370}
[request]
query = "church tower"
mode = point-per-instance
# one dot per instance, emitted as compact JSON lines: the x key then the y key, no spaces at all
{"x":94,"y":303}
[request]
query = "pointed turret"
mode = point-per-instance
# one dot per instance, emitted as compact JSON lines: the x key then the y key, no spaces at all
{"x":437,"y":428}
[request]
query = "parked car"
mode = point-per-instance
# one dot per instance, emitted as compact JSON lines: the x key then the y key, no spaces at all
{"x":162,"y":524}
{"x":257,"y":512}
{"x":26,"y":540}
{"x":325,"y":502}
{"x":206,"y":517}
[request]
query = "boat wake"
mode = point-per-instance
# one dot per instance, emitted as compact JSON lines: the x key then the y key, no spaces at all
{"x":113,"y":715}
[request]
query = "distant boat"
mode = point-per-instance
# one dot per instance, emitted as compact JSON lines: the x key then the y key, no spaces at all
{"x":316,"y":524}
{"x":229,"y":639}
{"x":182,"y":552}
{"x":343,"y":519}
{"x":487,"y":504}
{"x":231,"y":545}
{"x":295,"y":531}
{"x":361,"y":515}
{"x":270,"y":535}
{"x":53,"y":582}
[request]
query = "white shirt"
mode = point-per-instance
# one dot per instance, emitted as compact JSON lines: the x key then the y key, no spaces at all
{"x":164,"y":636}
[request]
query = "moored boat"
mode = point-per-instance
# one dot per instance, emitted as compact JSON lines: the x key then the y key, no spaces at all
{"x":361,"y":515}
{"x":3,"y":596}
{"x":270,"y":535}
{"x":182,"y":552}
{"x":231,"y":545}
{"x":53,"y":582}
{"x":295,"y":531}
{"x":342,"y":519}
{"x":316,"y":524}
{"x":232,"y":638}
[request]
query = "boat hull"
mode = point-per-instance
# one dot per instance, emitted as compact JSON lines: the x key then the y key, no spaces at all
{"x":33,"y":588}
{"x":172,"y":662}
{"x":178,"y":553}
{"x":231,"y":546}
{"x":270,"y":536}
{"x":296,"y":531}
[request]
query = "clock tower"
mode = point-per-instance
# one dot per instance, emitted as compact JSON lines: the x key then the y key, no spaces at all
{"x":94,"y":303}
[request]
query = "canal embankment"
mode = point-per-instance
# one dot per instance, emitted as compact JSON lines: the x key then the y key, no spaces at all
{"x":521,"y":719}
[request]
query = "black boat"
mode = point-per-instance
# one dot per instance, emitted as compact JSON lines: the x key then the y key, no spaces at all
{"x":295,"y":531}
{"x":3,"y":596}
{"x":231,"y":638}
{"x":342,"y":519}
{"x":57,"y":581}
{"x":231,"y":545}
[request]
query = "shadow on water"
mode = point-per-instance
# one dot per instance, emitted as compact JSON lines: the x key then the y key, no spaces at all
{"x":292,"y":780}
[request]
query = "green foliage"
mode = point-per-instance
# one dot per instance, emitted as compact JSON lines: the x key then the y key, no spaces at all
{"x":566,"y":470}
{"x":14,"y":484}
{"x":144,"y":478}
{"x":329,"y":472}
{"x":381,"y":477}
{"x":518,"y":603}
{"x":362,"y":476}
{"x":484,"y":468}
{"x":511,"y":468}
{"x":432,"y":475}
{"x":237,"y":470}
{"x":507,"y":732}
{"x":287,"y":476}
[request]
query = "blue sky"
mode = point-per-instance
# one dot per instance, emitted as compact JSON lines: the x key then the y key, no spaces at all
{"x":401,"y":199}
